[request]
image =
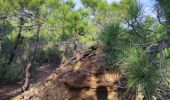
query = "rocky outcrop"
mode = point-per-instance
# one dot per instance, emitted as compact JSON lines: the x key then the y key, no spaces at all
{"x":79,"y":79}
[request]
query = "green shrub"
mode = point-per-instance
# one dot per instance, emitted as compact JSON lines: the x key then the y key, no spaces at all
{"x":41,"y":56}
{"x":51,"y":55}
{"x":6,"y":27}
{"x":142,"y":75}
{"x":111,"y":44}
{"x":9,"y":73}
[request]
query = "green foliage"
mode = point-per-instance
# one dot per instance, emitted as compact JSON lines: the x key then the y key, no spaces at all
{"x":143,"y":77}
{"x":6,"y":47}
{"x":34,"y":4}
{"x":112,"y":44}
{"x":164,"y":8}
{"x":93,"y":4}
{"x":9,"y":73}
{"x":133,"y":9}
{"x":53,"y":55}
{"x":50,"y":55}
{"x":5,"y":6}
{"x":110,"y":36}
{"x":5,"y":27}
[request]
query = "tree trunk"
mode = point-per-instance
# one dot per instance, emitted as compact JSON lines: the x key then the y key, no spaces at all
{"x":17,"y":41}
{"x":0,"y":43}
{"x":32,"y":57}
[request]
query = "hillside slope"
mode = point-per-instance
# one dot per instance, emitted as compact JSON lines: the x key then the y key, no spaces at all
{"x":80,"y":78}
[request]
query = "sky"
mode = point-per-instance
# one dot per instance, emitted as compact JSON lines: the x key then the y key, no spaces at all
{"x":147,"y":4}
{"x":149,"y":7}
{"x":79,"y":4}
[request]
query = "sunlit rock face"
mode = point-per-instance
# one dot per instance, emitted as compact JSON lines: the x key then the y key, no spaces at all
{"x":83,"y":79}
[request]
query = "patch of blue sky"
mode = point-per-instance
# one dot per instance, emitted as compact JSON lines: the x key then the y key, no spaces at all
{"x":148,"y":6}
{"x":78,"y":3}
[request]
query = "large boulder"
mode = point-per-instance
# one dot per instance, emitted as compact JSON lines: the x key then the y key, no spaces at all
{"x":79,"y":79}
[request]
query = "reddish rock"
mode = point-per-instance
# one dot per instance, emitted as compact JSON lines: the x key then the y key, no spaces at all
{"x":82,"y":79}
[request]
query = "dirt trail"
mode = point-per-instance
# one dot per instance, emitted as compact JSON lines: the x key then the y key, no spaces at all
{"x":7,"y":91}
